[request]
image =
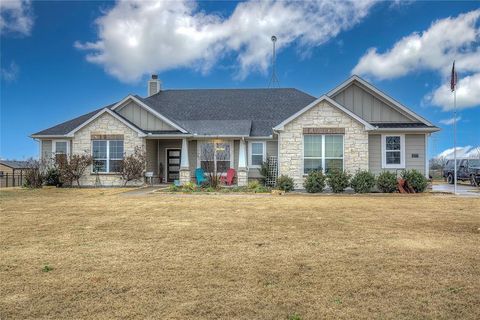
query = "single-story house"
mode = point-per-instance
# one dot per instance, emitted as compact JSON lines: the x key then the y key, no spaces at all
{"x":353,"y":127}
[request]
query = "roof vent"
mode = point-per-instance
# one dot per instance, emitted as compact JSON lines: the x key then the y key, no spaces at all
{"x":154,"y":85}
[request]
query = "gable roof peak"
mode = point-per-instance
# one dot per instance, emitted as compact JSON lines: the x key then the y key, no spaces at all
{"x":365,"y":84}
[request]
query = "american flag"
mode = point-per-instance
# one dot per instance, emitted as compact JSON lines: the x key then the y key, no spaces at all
{"x":453,"y":79}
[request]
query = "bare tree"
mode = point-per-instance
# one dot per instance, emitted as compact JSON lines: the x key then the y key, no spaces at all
{"x":133,"y":165}
{"x":215,"y":161}
{"x":33,"y":174}
{"x":438,"y":163}
{"x":72,"y":168}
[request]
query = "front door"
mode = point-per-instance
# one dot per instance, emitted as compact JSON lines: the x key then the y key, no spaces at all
{"x":173,"y":164}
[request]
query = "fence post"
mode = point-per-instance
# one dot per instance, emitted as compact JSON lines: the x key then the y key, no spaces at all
{"x":13,"y":179}
{"x":6,"y":180}
{"x":21,"y":178}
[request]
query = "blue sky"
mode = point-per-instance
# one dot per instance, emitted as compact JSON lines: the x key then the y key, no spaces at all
{"x":62,"y":59}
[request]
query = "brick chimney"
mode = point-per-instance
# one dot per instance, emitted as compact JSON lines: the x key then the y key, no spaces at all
{"x":154,"y":85}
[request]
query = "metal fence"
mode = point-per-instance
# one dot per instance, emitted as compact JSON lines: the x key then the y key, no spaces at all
{"x":12,"y":180}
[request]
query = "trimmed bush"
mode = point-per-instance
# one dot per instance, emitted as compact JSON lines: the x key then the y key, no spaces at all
{"x":338,"y":180}
{"x":52,"y":177}
{"x":387,"y":182}
{"x":362,"y":182}
{"x":315,"y":181}
{"x":285,"y":183}
{"x":415,"y":179}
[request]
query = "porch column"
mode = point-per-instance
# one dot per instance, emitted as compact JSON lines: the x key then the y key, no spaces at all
{"x":184,"y":164}
{"x":242,"y":175}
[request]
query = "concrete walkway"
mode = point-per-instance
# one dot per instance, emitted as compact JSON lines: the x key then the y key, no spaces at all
{"x":142,"y":190}
{"x":462,"y":189}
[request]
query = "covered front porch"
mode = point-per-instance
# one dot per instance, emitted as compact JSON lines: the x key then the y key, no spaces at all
{"x":171,"y":160}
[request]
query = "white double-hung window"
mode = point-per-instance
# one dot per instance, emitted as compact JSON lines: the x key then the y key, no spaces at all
{"x":107,"y":155}
{"x":393,"y":151}
{"x":322,"y":152}
{"x":257,"y":152}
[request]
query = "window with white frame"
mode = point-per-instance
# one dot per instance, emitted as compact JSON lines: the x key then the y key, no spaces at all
{"x":322,"y":152}
{"x":215,"y":156}
{"x":393,"y":151}
{"x":257,"y":153}
{"x":107,"y":155}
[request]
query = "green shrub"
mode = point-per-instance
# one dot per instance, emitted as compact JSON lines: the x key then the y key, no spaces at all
{"x":362,"y":182}
{"x":173,"y":188}
{"x":338,"y":180}
{"x":254,"y":184}
{"x":52,"y":177}
{"x":285,"y":183}
{"x":315,"y":181}
{"x":415,"y":179}
{"x":387,"y":182}
{"x":189,"y":187}
{"x":209,"y":189}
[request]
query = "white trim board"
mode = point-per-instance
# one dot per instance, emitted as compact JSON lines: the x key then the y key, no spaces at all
{"x":335,"y":104}
{"x":379,"y":93}
{"x":143,"y":105}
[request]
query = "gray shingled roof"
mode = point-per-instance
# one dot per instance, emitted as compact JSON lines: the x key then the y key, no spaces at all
{"x":14,"y":164}
{"x":241,"y":112}
{"x":214,"y":127}
{"x":264,"y":108}
{"x":67,"y":126}
{"x":216,"y":111}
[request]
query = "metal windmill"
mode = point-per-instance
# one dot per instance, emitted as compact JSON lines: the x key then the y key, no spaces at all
{"x":274,"y":80}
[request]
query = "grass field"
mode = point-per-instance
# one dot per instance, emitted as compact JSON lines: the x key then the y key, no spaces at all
{"x":101,"y":254}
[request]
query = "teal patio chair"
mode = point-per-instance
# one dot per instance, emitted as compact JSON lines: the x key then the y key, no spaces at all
{"x":200,"y":176}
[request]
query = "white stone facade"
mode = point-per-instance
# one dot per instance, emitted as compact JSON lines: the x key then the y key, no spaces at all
{"x":105,"y":124}
{"x":323,"y":115}
{"x":185,"y":176}
{"x":242,"y":177}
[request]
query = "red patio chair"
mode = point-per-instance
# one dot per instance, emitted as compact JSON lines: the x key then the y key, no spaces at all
{"x":228,"y":179}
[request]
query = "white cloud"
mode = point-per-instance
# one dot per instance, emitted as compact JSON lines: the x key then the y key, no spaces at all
{"x":10,"y":73}
{"x":468,"y":93}
{"x":450,"y":121}
{"x":462,"y":152}
{"x":140,"y":37}
{"x":435,"y":49}
{"x":16,"y":17}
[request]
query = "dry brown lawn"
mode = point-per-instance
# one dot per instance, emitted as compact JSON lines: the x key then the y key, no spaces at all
{"x":170,"y":256}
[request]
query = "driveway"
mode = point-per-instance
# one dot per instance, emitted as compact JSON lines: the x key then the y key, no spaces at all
{"x":462,"y":189}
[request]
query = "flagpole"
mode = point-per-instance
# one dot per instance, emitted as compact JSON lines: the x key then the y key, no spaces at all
{"x":455,"y":139}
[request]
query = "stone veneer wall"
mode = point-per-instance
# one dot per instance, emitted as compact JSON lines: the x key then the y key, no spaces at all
{"x":105,"y":124}
{"x":323,"y":115}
